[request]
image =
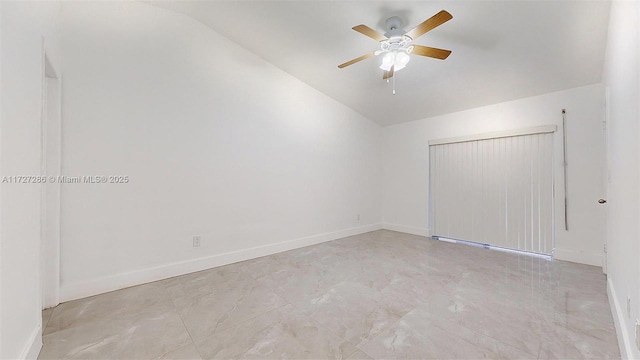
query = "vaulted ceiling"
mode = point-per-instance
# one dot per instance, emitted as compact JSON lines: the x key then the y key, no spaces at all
{"x":501,"y":50}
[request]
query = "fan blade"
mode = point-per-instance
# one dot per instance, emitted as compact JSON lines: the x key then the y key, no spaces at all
{"x":388,"y":74}
{"x":430,"y":52}
{"x":431,"y":23}
{"x":351,"y":62}
{"x":367,"y":31}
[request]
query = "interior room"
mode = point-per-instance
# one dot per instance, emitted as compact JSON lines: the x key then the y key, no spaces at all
{"x":319,"y":179}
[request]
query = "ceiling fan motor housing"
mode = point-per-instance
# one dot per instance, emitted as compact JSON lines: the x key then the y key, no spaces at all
{"x":394,"y":27}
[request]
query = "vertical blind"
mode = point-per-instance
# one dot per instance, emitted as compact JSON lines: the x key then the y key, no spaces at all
{"x":496,"y":191}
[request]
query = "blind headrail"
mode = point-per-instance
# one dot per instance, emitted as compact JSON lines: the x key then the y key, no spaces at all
{"x":495,"y":135}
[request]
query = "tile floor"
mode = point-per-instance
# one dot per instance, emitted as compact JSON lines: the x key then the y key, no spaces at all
{"x":380,"y":295}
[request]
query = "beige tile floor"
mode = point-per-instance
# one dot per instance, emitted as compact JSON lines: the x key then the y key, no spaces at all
{"x":380,"y":295}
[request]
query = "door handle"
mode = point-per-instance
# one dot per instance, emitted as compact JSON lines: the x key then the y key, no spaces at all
{"x":602,"y":201}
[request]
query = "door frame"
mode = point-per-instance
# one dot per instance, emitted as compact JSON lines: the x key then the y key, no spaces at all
{"x":50,"y":240}
{"x":606,"y":172}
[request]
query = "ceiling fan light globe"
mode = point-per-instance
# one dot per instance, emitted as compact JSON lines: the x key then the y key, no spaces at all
{"x":402,"y":59}
{"x":386,"y":67}
{"x":388,"y":58}
{"x":387,"y":61}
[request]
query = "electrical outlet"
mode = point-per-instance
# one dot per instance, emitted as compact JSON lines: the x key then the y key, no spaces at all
{"x":196,"y":240}
{"x":358,"y":217}
{"x":629,"y":307}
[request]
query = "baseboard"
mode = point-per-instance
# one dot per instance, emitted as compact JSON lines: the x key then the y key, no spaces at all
{"x":33,"y":345}
{"x":580,"y":257}
{"x":78,"y":290}
{"x":618,"y":319}
{"x":406,"y":229}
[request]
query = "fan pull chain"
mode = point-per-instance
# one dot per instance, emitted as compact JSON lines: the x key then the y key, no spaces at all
{"x":394,"y":85}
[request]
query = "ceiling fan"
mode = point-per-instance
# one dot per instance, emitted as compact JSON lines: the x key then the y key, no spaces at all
{"x":396,"y":44}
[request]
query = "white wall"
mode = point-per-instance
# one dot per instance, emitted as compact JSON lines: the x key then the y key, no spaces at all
{"x":622,"y":77}
{"x":406,"y":163}
{"x":216,"y":142}
{"x":25,"y":27}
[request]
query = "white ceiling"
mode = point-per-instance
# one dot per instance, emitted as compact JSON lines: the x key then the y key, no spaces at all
{"x":501,"y":50}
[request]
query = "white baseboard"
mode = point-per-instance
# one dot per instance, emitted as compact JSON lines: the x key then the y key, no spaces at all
{"x":580,"y":257}
{"x":406,"y":229}
{"x":105,"y":284}
{"x":33,"y":345}
{"x":618,"y":319}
